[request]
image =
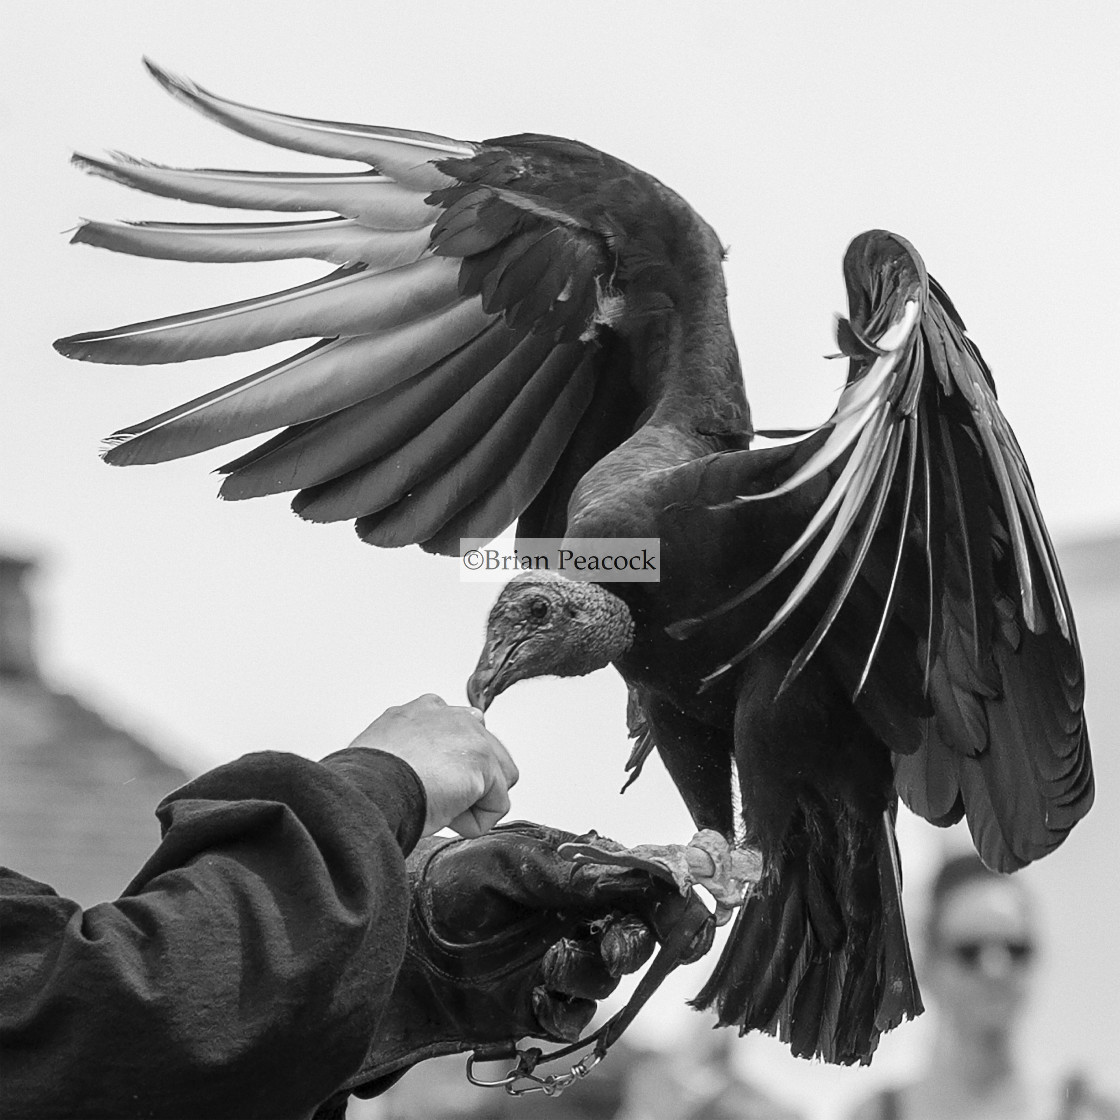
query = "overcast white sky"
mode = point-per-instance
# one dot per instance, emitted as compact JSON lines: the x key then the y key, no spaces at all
{"x":987,"y":134}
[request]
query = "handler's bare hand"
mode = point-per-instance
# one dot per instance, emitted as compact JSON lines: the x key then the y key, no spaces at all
{"x":465,"y":771}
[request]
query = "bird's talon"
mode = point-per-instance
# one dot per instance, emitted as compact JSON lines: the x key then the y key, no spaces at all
{"x":723,"y":914}
{"x":707,"y":860}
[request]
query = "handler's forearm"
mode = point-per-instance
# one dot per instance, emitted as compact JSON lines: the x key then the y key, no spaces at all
{"x":242,"y":973}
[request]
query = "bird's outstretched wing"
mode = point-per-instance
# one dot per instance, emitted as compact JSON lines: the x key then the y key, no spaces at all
{"x":460,"y":341}
{"x":925,"y":536}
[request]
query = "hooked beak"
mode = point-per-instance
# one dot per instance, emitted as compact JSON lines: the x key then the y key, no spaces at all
{"x":490,"y":678}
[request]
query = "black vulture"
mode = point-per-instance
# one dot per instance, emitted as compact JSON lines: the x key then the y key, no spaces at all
{"x":527,"y":329}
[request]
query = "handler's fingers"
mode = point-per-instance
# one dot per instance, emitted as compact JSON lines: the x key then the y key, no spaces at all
{"x":505,"y":763}
{"x":626,"y":944}
{"x":576,"y":968}
{"x":561,"y":1017}
{"x":678,"y":909}
{"x":484,"y":813}
{"x":503,"y":758}
{"x":474,"y":823}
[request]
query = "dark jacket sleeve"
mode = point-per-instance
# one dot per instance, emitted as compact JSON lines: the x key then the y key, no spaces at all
{"x":244,"y":970}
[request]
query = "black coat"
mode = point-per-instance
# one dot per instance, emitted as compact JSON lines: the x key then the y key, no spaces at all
{"x":245,"y":969}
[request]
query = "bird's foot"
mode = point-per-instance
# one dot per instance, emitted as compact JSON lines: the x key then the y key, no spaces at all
{"x":727,"y":873}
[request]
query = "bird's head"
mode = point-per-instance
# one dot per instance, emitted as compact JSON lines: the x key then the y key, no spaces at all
{"x":545,"y":625}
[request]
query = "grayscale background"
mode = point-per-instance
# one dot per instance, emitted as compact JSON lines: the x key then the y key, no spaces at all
{"x":986,"y":133}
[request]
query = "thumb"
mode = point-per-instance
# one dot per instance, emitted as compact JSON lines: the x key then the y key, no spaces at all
{"x":484,"y":813}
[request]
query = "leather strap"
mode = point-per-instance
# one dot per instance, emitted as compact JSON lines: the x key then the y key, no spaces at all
{"x":667,"y":959}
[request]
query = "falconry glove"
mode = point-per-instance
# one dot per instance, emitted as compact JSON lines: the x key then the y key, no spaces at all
{"x":509,"y":939}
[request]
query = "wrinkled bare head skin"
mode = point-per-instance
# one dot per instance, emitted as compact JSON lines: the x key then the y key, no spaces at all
{"x":545,"y":625}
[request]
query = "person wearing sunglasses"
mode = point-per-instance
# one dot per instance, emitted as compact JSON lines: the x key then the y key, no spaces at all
{"x":981,"y":946}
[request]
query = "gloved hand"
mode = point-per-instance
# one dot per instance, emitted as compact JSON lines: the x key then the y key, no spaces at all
{"x":507,"y":939}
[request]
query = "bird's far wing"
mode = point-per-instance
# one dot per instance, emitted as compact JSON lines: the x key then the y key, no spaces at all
{"x":928,"y":550}
{"x":460,"y":339}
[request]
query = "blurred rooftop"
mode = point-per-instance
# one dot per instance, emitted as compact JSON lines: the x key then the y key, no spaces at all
{"x":77,"y":792}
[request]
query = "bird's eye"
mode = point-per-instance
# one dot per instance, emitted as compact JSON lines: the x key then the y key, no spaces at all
{"x":538,"y":609}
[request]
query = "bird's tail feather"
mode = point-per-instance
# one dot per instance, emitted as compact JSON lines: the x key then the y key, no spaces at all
{"x":819,"y":955}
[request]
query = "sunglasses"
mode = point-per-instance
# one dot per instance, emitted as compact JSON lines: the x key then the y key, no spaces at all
{"x":968,"y":953}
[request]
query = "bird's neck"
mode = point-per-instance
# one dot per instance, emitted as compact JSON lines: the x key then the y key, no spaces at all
{"x":693,"y":362}
{"x":612,"y":631}
{"x":695,"y":403}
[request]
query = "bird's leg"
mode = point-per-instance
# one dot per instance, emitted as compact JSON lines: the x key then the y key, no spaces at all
{"x":726,"y":872}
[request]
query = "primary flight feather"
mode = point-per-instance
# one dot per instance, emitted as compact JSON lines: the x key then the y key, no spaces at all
{"x":527,"y":329}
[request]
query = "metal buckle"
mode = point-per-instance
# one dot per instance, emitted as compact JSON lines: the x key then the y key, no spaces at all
{"x":602,"y":1039}
{"x":552,"y":1085}
{"x":500,"y":1084}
